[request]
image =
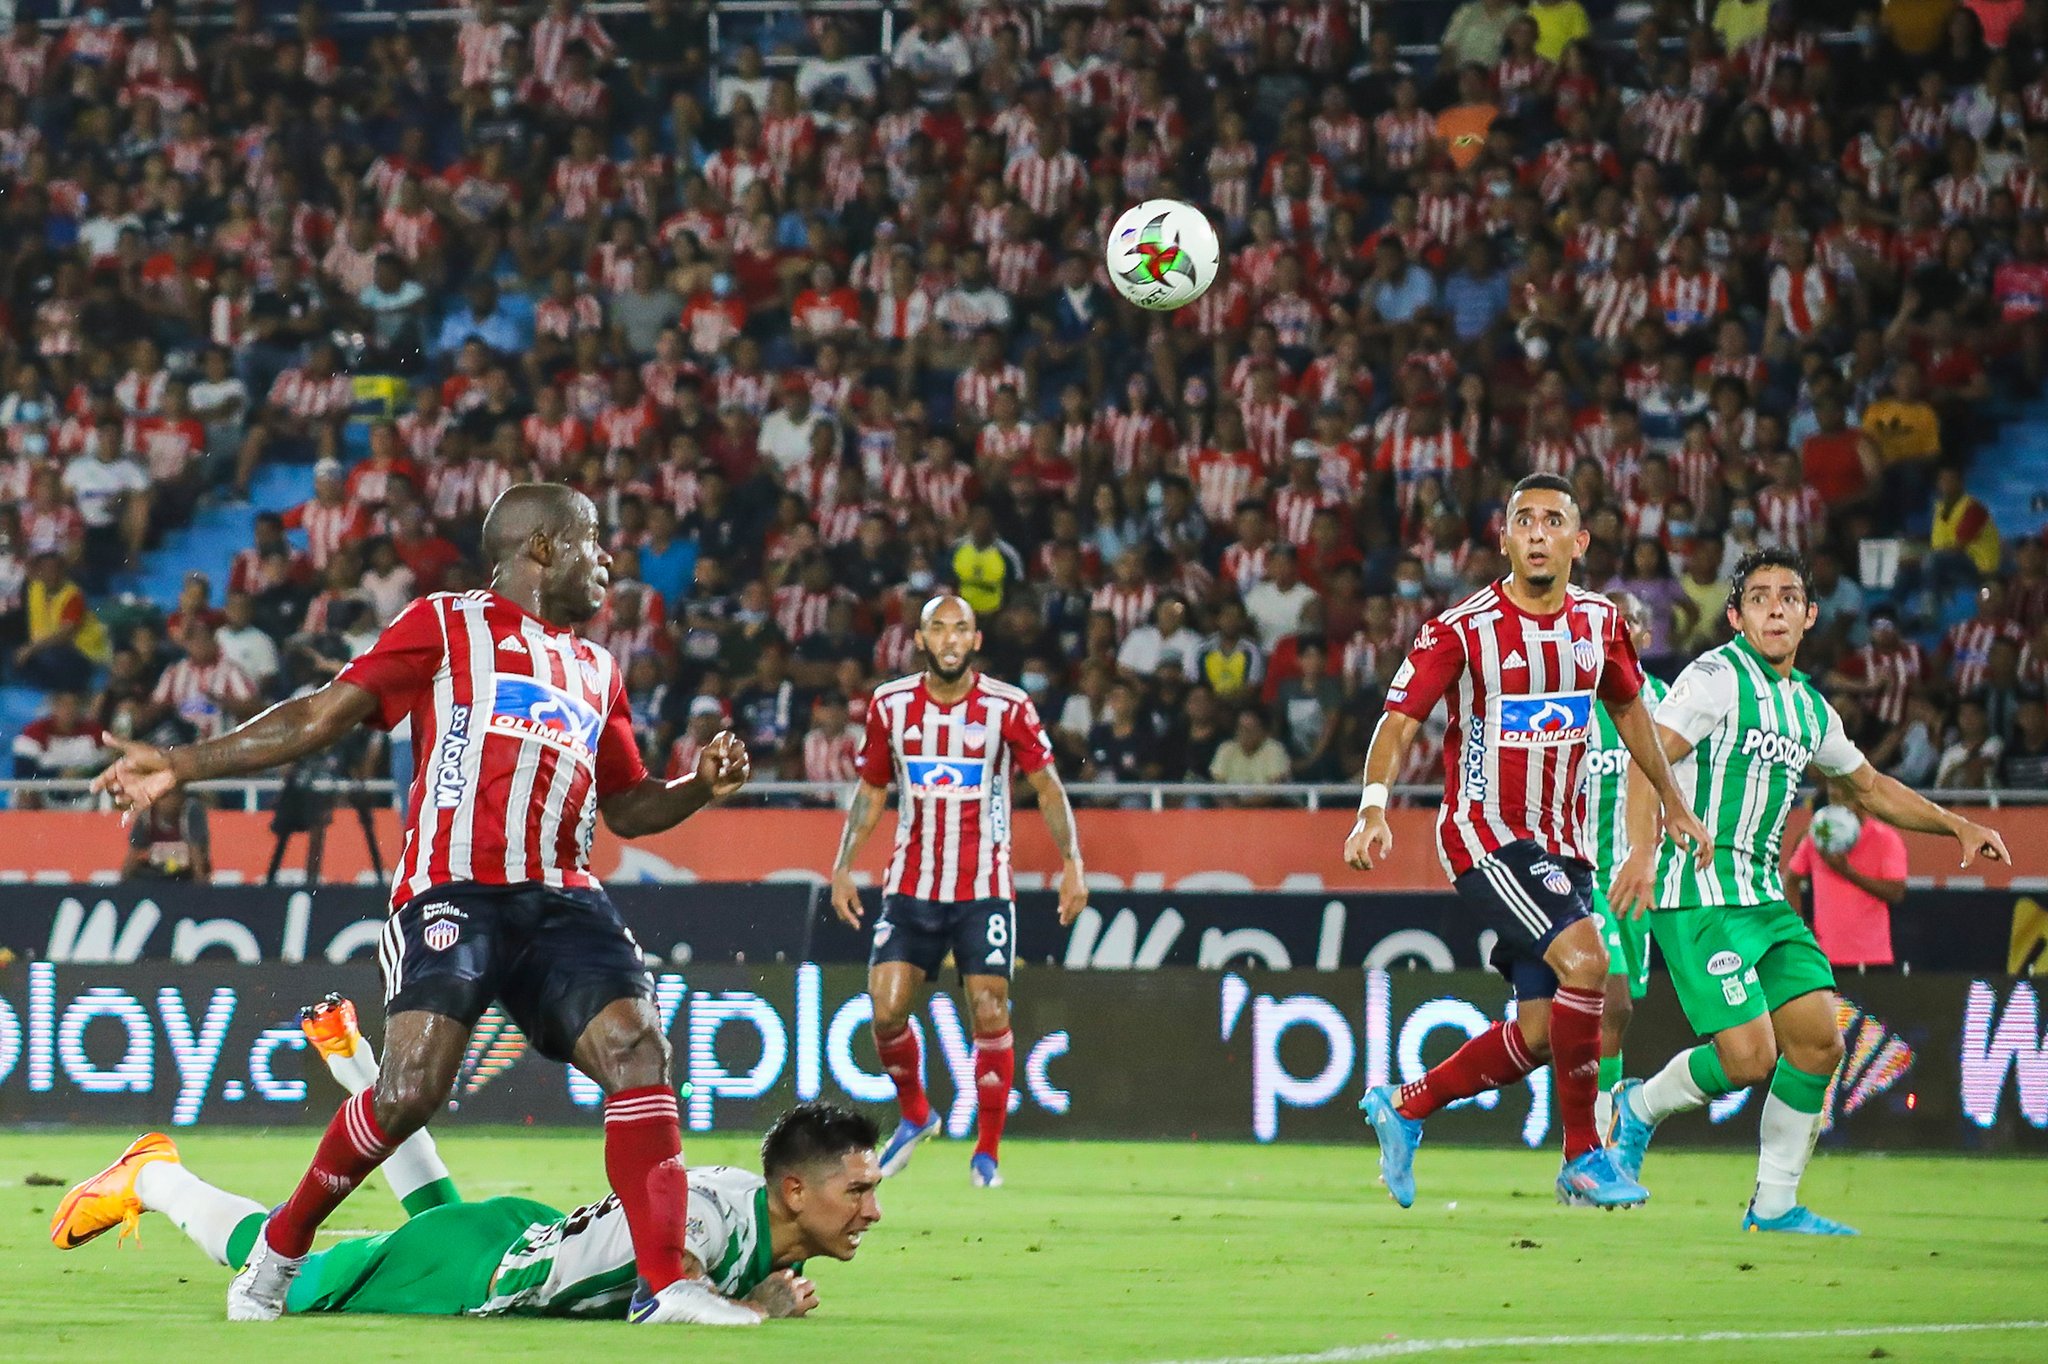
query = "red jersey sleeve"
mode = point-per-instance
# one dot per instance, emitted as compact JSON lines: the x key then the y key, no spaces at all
{"x":402,"y":663}
{"x":876,"y":763}
{"x":619,"y":766}
{"x":1622,"y":677}
{"x":1433,"y":663}
{"x":1025,"y":734}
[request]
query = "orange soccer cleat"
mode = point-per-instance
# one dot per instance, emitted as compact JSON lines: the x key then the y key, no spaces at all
{"x":108,"y":1200}
{"x":330,"y":1026}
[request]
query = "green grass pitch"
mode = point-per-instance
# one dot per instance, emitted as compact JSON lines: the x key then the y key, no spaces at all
{"x":1147,"y":1253}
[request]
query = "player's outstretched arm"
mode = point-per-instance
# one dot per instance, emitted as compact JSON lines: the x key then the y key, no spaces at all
{"x":288,"y":731}
{"x":1371,"y":840}
{"x":1898,"y":804}
{"x":654,"y":805}
{"x":1059,"y":821}
{"x":1653,"y":749}
{"x":869,"y":801}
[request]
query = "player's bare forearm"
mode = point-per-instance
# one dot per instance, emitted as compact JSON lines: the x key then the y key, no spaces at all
{"x":1058,"y":812}
{"x":655,"y":805}
{"x":1389,"y":748}
{"x":1640,"y":816}
{"x":861,"y":818}
{"x":282,"y":734}
{"x":1899,"y":805}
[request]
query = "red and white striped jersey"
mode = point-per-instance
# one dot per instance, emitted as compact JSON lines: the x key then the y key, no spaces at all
{"x":1797,"y":518}
{"x":1689,"y":302}
{"x":1894,"y":674}
{"x":831,"y":757}
{"x":480,"y":51}
{"x":1129,"y":607}
{"x":1048,"y":185}
{"x":974,"y":392}
{"x":311,"y":399}
{"x":195,"y":692}
{"x":1410,"y":457}
{"x":552,"y":37}
{"x":327,"y":528}
{"x":1802,"y":303}
{"x":1222,"y":479}
{"x":954,"y":764}
{"x":1520,"y":688}
{"x":519,"y":729}
{"x":1668,"y":121}
{"x":800,"y":612}
{"x":1966,"y":649}
{"x":1404,"y":138}
{"x":55,"y":529}
{"x":1271,"y":428}
{"x":1244,"y":566}
{"x":1616,"y":304}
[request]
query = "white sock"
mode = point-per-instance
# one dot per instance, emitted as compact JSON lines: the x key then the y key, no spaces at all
{"x":1603,"y":1113}
{"x":1787,"y":1144}
{"x":415,"y":1164}
{"x":1670,"y":1090}
{"x":206,"y":1214}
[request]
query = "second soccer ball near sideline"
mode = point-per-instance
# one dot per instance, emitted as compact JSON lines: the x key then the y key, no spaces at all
{"x":1163,"y":254}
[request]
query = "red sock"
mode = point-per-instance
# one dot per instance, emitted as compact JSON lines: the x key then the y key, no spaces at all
{"x":903,"y":1059}
{"x":1575,"y":1065}
{"x":352,"y":1146}
{"x":642,"y":1134}
{"x":1499,"y":1056}
{"x":995,"y":1066}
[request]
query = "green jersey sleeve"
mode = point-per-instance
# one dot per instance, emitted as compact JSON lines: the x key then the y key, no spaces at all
{"x":1703,"y":696}
{"x":1837,"y":755}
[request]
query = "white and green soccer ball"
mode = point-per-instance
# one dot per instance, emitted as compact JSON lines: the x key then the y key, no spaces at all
{"x":1836,"y":829}
{"x":1163,"y":254}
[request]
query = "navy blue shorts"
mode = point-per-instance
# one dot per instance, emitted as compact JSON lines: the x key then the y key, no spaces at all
{"x":553,"y":958}
{"x":1527,"y":896}
{"x":981,"y":935}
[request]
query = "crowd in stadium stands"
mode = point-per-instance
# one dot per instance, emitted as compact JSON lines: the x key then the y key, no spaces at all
{"x":822,"y":330}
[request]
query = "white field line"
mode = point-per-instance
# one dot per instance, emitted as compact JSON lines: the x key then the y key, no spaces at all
{"x":1401,"y":1349}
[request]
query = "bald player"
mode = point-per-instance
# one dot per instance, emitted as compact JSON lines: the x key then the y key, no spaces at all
{"x":522,"y":739}
{"x":953,"y":737}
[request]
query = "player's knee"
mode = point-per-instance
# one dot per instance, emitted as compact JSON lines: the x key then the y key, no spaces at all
{"x":405,"y":1101}
{"x":1748,"y":1064}
{"x":632,"y":1058}
{"x":1584,"y":966}
{"x":1816,"y":1055}
{"x":990,"y":1012}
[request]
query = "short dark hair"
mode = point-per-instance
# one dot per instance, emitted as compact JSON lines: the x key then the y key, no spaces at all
{"x":815,"y":1134}
{"x":1758,"y":559}
{"x":1549,"y":483}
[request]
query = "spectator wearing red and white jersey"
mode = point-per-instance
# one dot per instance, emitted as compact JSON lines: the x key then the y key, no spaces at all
{"x":65,"y":743}
{"x":203,"y":688}
{"x":303,"y":416}
{"x":328,"y":518}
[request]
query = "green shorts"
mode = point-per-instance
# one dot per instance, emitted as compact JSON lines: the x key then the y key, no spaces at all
{"x":438,"y":1264}
{"x":1733,"y":963}
{"x":1628,"y":943}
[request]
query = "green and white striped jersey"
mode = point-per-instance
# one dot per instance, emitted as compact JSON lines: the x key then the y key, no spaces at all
{"x":582,"y":1265}
{"x":1607,"y":780}
{"x":1754,"y":735}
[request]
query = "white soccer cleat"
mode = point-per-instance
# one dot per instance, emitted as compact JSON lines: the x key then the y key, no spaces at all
{"x":258,"y":1292}
{"x":692,"y":1302}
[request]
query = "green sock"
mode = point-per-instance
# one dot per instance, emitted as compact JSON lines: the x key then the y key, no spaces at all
{"x":242,"y":1239}
{"x":1800,"y":1090}
{"x":1610,"y":1072}
{"x":1704,"y":1064}
{"x":438,"y":1194}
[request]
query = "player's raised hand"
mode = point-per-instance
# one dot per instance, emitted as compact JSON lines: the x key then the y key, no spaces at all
{"x":785,"y":1293}
{"x":1979,"y":841}
{"x":139,"y":778}
{"x":1629,"y":894}
{"x":724,"y":766}
{"x":1370,"y":842}
{"x":1073,"y":893}
{"x":1683,"y":827}
{"x":846,"y":899}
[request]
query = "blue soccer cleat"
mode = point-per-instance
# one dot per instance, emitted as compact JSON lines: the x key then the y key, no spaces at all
{"x":904,"y":1140}
{"x":1800,"y":1220}
{"x":982,"y":1171}
{"x":1629,"y":1135}
{"x":1596,"y":1180}
{"x":1398,"y":1138}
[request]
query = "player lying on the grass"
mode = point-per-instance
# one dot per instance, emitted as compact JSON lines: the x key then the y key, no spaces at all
{"x":1627,"y":936}
{"x":748,"y":1235}
{"x":1520,"y":664}
{"x":1741,"y":726}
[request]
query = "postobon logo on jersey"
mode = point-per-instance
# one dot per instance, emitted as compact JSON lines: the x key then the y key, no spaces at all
{"x":1776,"y":748}
{"x":1607,"y":762}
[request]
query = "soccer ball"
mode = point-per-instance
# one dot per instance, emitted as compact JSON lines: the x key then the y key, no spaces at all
{"x":1162,"y":254}
{"x":1836,"y":829}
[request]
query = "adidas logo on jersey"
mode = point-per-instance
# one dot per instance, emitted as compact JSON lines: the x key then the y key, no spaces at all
{"x":1514,"y":660}
{"x":995,"y":958}
{"x":913,"y":733}
{"x":512,"y":644}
